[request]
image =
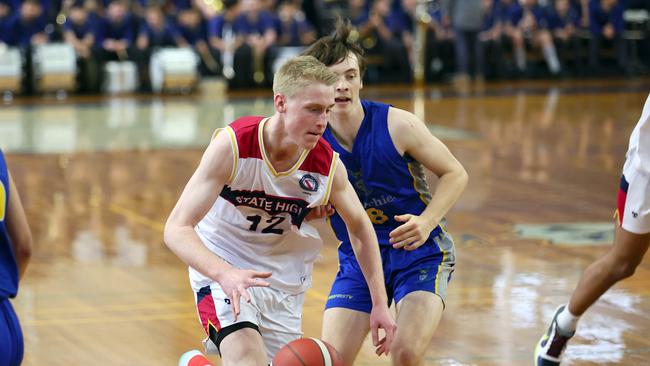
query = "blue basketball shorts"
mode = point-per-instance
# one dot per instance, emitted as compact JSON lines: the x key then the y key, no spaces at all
{"x":428,"y":268}
{"x":11,"y":337}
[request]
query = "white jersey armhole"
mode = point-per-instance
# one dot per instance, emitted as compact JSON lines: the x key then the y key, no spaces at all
{"x":330,"y":177}
{"x":235,"y":150}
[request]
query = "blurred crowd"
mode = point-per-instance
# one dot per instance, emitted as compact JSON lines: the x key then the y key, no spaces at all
{"x":240,"y":39}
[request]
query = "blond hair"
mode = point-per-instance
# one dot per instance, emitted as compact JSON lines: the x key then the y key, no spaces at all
{"x":299,"y":72}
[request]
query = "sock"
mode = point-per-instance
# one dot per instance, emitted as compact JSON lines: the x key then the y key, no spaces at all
{"x":551,"y":59}
{"x":567,"y":322}
{"x":520,"y":58}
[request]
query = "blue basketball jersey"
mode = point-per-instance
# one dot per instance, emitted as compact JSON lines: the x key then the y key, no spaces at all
{"x":8,"y":266}
{"x":386,"y":182}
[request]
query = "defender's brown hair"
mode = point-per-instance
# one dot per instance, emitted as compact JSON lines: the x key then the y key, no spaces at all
{"x":333,"y":49}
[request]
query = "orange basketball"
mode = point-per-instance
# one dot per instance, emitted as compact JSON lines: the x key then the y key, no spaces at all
{"x":307,"y":352}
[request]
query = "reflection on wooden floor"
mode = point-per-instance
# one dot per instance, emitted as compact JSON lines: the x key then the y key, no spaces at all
{"x":103,"y":290}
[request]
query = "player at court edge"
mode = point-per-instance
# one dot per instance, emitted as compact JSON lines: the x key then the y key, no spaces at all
{"x":385,"y":150}
{"x":239,"y":222}
{"x":631,"y":240}
{"x":15,"y":252}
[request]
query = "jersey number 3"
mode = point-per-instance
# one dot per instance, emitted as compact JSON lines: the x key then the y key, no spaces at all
{"x":269,"y":229}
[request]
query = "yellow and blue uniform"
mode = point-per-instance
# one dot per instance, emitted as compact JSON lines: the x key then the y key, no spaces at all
{"x":387,"y":184}
{"x":11,"y":337}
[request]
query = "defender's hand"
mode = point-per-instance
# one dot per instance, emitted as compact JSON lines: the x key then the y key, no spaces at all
{"x":319,"y":212}
{"x":414,"y":231}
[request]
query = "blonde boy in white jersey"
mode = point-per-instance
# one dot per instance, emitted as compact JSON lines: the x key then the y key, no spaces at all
{"x":239,"y":221}
{"x":630,"y":245}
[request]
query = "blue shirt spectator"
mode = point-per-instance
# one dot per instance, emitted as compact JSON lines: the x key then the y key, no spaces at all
{"x":257,"y":23}
{"x":80,"y":25}
{"x":358,"y":13}
{"x":563,"y":15}
{"x":604,"y":12}
{"x":157,"y":31}
{"x":294,"y":29}
{"x":191,"y":27}
{"x":491,"y":15}
{"x":21,"y":29}
{"x":119,"y":25}
{"x":220,"y":23}
{"x":399,"y":21}
{"x":516,"y":14}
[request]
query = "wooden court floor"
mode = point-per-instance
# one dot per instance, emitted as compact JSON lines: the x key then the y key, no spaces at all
{"x":99,"y":177}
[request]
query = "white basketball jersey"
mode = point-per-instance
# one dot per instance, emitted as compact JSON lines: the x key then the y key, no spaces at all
{"x":638,"y":154}
{"x":257,"y":221}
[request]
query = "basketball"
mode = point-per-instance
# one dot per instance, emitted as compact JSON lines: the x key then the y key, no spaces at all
{"x":307,"y":352}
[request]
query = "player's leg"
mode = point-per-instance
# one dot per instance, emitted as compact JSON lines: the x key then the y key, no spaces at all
{"x":238,"y":343}
{"x":421,"y":278}
{"x":619,"y":263}
{"x":345,"y":329}
{"x":413,"y":334}
{"x":346,"y":320}
{"x":243,"y":347}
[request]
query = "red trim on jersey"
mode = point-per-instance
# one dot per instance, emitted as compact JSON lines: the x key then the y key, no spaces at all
{"x":319,"y":159}
{"x":246,"y":130}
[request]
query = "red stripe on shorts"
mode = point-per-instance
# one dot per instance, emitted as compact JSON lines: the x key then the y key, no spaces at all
{"x":208,"y":313}
{"x":620,"y":206}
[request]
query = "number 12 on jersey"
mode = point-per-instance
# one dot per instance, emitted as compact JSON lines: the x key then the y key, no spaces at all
{"x":267,"y":229}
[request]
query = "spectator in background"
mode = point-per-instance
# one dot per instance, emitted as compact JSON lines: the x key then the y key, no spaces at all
{"x":563,"y":21}
{"x":155,"y":32}
{"x":528,"y":23}
{"x":25,"y":30}
{"x":466,"y":18}
{"x":177,"y":6}
{"x":5,"y":11}
{"x":78,"y":32}
{"x":490,"y":37}
{"x":295,"y":30}
{"x":505,"y":9}
{"x":193,"y":33}
{"x":402,"y":24}
{"x":116,"y":33}
{"x":439,"y":53}
{"x":49,"y":8}
{"x":378,"y":39}
{"x":115,"y":37}
{"x":357,"y":12}
{"x":317,"y":14}
{"x":606,"y":26}
{"x":225,"y":36}
{"x":261,"y":35}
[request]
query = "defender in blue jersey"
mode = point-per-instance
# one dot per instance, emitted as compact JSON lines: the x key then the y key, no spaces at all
{"x":15,"y":250}
{"x":385,"y":150}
